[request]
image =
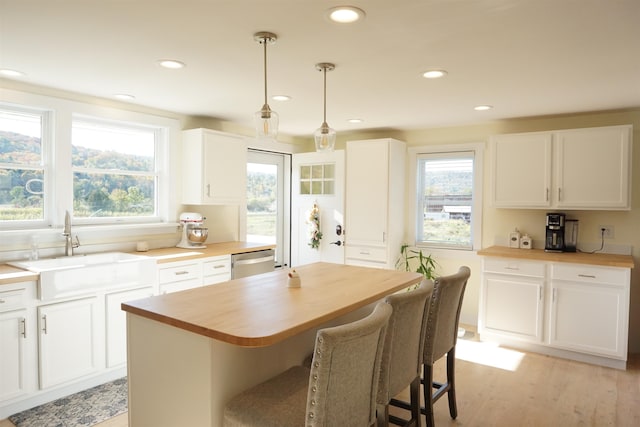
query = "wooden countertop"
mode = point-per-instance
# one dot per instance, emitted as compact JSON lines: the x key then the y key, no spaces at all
{"x":261,"y":310}
{"x":608,"y":260}
{"x":9,"y":274}
{"x":213,"y":249}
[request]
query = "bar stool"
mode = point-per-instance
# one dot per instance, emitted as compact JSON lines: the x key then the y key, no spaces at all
{"x":441,"y":335}
{"x":402,"y":355}
{"x":339,"y":390}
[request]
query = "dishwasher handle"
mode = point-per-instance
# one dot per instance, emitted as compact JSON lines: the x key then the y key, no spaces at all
{"x":253,"y":260}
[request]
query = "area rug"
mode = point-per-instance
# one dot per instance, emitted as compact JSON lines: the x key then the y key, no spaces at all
{"x":85,"y":408}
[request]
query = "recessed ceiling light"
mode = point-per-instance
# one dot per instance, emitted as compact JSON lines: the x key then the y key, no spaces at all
{"x":482,"y":107}
{"x":345,"y":14}
{"x":11,"y":73}
{"x":355,"y":120}
{"x":281,"y":97}
{"x":434,"y":74}
{"x":124,"y":96}
{"x":171,"y":63}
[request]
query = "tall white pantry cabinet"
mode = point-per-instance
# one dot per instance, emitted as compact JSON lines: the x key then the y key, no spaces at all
{"x":374,"y":202}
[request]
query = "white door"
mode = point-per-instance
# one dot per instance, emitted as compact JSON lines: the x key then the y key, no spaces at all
{"x":268,"y":206}
{"x":317,"y":179}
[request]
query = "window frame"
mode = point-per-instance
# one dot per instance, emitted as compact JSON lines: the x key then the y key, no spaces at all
{"x":159,"y":142}
{"x":48,"y":177}
{"x":414,"y":192}
{"x":57,"y":155}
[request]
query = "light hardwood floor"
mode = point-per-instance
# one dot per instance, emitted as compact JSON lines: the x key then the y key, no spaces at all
{"x":502,"y":387}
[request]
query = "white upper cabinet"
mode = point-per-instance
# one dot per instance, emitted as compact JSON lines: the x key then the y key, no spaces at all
{"x":593,"y":168}
{"x":214,"y":168}
{"x":521,"y":172}
{"x":587,"y":169}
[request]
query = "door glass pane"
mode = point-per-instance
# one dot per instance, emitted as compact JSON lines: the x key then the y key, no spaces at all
{"x":268,"y":201}
{"x":262,"y":196}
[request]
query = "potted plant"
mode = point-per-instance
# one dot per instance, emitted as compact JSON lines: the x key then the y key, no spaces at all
{"x":424,"y":264}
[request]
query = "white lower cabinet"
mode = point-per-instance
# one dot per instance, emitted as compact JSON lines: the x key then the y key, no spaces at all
{"x":590,"y":309}
{"x":116,"y":324}
{"x":577,"y":311}
{"x":16,"y":340}
{"x":182,"y":275}
{"x":69,"y":340}
{"x":216,"y":269}
{"x":512,"y":299}
{"x":179,"y":275}
{"x":13,"y":361}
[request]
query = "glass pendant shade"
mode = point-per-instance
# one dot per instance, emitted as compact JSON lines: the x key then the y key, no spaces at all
{"x":265,"y":120}
{"x":324,"y":136}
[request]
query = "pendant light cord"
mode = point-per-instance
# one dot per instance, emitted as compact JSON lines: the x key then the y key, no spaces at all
{"x":264,"y":42}
{"x":324,"y":71}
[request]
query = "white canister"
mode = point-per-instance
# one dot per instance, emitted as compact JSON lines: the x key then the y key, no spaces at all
{"x":525,"y":242}
{"x":514,"y":239}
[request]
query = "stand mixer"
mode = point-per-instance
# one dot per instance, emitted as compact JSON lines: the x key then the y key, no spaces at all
{"x":193,"y":234}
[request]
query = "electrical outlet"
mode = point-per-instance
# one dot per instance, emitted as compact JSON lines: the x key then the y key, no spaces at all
{"x":608,"y":231}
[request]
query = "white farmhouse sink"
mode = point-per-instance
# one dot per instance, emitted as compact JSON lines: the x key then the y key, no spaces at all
{"x":79,"y":275}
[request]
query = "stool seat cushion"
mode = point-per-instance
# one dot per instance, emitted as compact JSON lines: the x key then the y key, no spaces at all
{"x":277,"y":402}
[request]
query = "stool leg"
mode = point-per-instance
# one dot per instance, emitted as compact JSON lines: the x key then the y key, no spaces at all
{"x":427,"y":384}
{"x":451,"y":379}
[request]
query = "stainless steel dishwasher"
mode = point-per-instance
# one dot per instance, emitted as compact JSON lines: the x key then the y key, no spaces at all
{"x":251,"y":263}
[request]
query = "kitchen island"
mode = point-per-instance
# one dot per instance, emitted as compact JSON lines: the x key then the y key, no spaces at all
{"x":191,"y":351}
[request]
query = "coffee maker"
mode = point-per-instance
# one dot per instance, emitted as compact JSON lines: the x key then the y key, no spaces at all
{"x":554,"y":237}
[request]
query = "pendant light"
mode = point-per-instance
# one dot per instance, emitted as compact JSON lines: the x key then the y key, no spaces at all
{"x":266,"y":120}
{"x":324,"y":136}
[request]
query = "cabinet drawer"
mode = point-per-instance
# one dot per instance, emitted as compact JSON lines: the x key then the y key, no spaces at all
{"x":12,"y":300}
{"x":366,"y":253}
{"x":216,"y":266}
{"x":179,"y":273}
{"x":514,"y":266}
{"x":590,"y":274}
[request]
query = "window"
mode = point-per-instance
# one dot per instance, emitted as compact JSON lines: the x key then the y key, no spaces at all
{"x":103,"y":165}
{"x":447,"y":197}
{"x":317,"y":179}
{"x":22,"y":166}
{"x":114,"y":170}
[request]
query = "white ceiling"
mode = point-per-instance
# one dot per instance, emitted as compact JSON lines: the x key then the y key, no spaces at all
{"x":524,"y":57}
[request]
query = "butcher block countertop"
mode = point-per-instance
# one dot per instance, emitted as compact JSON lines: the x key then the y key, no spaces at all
{"x":262,"y":310}
{"x":9,"y":274}
{"x":213,"y":249}
{"x":607,"y":260}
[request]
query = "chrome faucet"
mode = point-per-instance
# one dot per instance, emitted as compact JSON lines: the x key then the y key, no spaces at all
{"x":69,"y":244}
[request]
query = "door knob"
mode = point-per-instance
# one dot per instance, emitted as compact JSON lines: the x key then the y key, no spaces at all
{"x":337,"y":243}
